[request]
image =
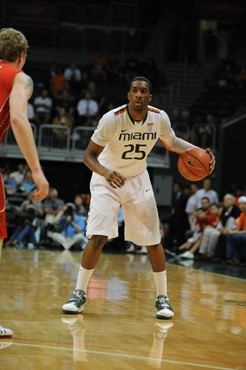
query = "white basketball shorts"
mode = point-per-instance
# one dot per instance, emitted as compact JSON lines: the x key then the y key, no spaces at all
{"x":142,"y":225}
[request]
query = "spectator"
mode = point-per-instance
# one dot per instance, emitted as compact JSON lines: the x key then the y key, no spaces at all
{"x":27,"y":186}
{"x":57,"y":81}
{"x":206,"y":132}
{"x":29,"y":226}
{"x":69,"y":228}
{"x":19,"y":174}
{"x":52,"y":205}
{"x":61,"y":119}
{"x":236,"y":238}
{"x":178,"y":223}
{"x":87,"y":109}
{"x":66,"y":99}
{"x":43,"y":106}
{"x":206,"y":191}
{"x":80,"y":210}
{"x":228,"y":217}
{"x":190,"y":208}
{"x":73,"y":75}
{"x":209,"y":221}
{"x":10,"y":186}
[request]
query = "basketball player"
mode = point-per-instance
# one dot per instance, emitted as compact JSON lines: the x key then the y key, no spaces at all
{"x":15,"y":90}
{"x":117,"y":156}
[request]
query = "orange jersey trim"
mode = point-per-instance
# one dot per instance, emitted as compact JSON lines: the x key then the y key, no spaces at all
{"x":155,"y":110}
{"x":120,"y":111}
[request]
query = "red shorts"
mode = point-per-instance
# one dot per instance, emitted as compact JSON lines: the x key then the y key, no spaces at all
{"x":3,"y":226}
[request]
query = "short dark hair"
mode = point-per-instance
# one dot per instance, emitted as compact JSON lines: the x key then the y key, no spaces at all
{"x":206,"y":199}
{"x":142,"y":78}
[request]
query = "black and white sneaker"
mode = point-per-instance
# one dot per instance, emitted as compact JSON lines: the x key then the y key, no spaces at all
{"x":164,"y":309}
{"x":75,"y":303}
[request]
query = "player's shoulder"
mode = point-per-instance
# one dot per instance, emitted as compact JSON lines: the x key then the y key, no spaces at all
{"x":154,"y":109}
{"x":119,"y":110}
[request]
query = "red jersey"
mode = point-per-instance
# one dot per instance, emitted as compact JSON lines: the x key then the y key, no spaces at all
{"x":7,"y":75}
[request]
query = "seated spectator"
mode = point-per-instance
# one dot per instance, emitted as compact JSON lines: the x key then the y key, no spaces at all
{"x":10,"y":186}
{"x":87,"y":109}
{"x":73,"y":75}
{"x":209,"y":244}
{"x":27,"y":185}
{"x":28,"y":231}
{"x":52,"y":205}
{"x":57,"y":81}
{"x":69,"y":228}
{"x":66,"y":99}
{"x":61,"y":119}
{"x":43,"y":107}
{"x":80,"y":210}
{"x":19,"y":174}
{"x":236,"y":238}
{"x":190,"y":208}
{"x":208,"y":192}
{"x":211,"y":221}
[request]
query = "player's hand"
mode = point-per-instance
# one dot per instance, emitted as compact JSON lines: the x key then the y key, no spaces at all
{"x":212,"y":162}
{"x":42,"y":185}
{"x":114,"y":179}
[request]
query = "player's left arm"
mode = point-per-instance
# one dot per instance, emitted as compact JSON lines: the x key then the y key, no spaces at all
{"x":176,"y":144}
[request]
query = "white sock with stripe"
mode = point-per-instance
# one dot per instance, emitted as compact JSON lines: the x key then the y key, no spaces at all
{"x":83,"y":278}
{"x":160,"y":279}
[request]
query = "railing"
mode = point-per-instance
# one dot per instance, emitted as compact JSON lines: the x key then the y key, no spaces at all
{"x":59,"y":143}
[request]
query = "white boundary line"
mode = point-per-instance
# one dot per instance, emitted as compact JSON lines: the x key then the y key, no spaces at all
{"x":107,"y":353}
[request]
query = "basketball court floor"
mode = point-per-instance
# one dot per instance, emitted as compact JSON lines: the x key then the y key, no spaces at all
{"x":118,"y":329}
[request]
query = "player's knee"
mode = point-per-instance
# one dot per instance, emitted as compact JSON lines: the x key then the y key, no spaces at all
{"x":98,"y":241}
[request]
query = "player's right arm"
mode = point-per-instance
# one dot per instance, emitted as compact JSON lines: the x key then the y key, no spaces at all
{"x":21,"y":92}
{"x":91,"y":161}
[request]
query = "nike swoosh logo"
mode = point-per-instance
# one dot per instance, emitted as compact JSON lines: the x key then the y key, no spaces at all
{"x":147,"y":189}
{"x":193,"y":165}
{"x":124,"y":130}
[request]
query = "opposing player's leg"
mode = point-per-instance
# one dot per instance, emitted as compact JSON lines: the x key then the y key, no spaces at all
{"x":157,"y":260}
{"x":4,"y":332}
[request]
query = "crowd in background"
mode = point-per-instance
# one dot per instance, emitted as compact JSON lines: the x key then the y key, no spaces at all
{"x":199,"y":225}
{"x":78,"y":95}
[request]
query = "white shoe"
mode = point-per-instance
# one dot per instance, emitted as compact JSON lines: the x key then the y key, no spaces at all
{"x":189,"y":255}
{"x":76,"y":303}
{"x":164,"y":309}
{"x":5,"y":332}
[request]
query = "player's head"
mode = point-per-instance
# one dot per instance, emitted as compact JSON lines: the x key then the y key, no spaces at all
{"x":140,"y":93}
{"x":13,"y":46}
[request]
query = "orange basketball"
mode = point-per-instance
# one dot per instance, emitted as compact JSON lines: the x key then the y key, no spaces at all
{"x":194,"y":165}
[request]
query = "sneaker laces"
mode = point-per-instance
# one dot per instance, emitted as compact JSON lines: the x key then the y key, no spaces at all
{"x":163,"y":301}
{"x":77,"y":296}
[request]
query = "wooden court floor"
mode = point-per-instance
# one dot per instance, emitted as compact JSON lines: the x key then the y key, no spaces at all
{"x":118,"y":329}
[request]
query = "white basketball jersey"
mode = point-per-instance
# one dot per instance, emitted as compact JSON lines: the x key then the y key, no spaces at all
{"x":127,"y":143}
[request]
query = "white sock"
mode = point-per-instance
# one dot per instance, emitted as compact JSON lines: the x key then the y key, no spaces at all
{"x":160,"y":279}
{"x":83,"y":278}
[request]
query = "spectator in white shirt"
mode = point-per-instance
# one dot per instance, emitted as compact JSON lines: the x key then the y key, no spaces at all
{"x":30,"y":112}
{"x":87,"y":109}
{"x":43,"y":106}
{"x":190,"y":208}
{"x":73,"y":75}
{"x":206,"y":191}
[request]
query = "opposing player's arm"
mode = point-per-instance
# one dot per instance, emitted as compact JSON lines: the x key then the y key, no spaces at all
{"x":20,"y":93}
{"x":91,"y":161}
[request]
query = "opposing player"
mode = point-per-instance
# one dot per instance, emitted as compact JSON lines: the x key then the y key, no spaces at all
{"x":117,"y":156}
{"x":15,"y":90}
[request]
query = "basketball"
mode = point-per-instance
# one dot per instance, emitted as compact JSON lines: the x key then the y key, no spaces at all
{"x":194,"y":164}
